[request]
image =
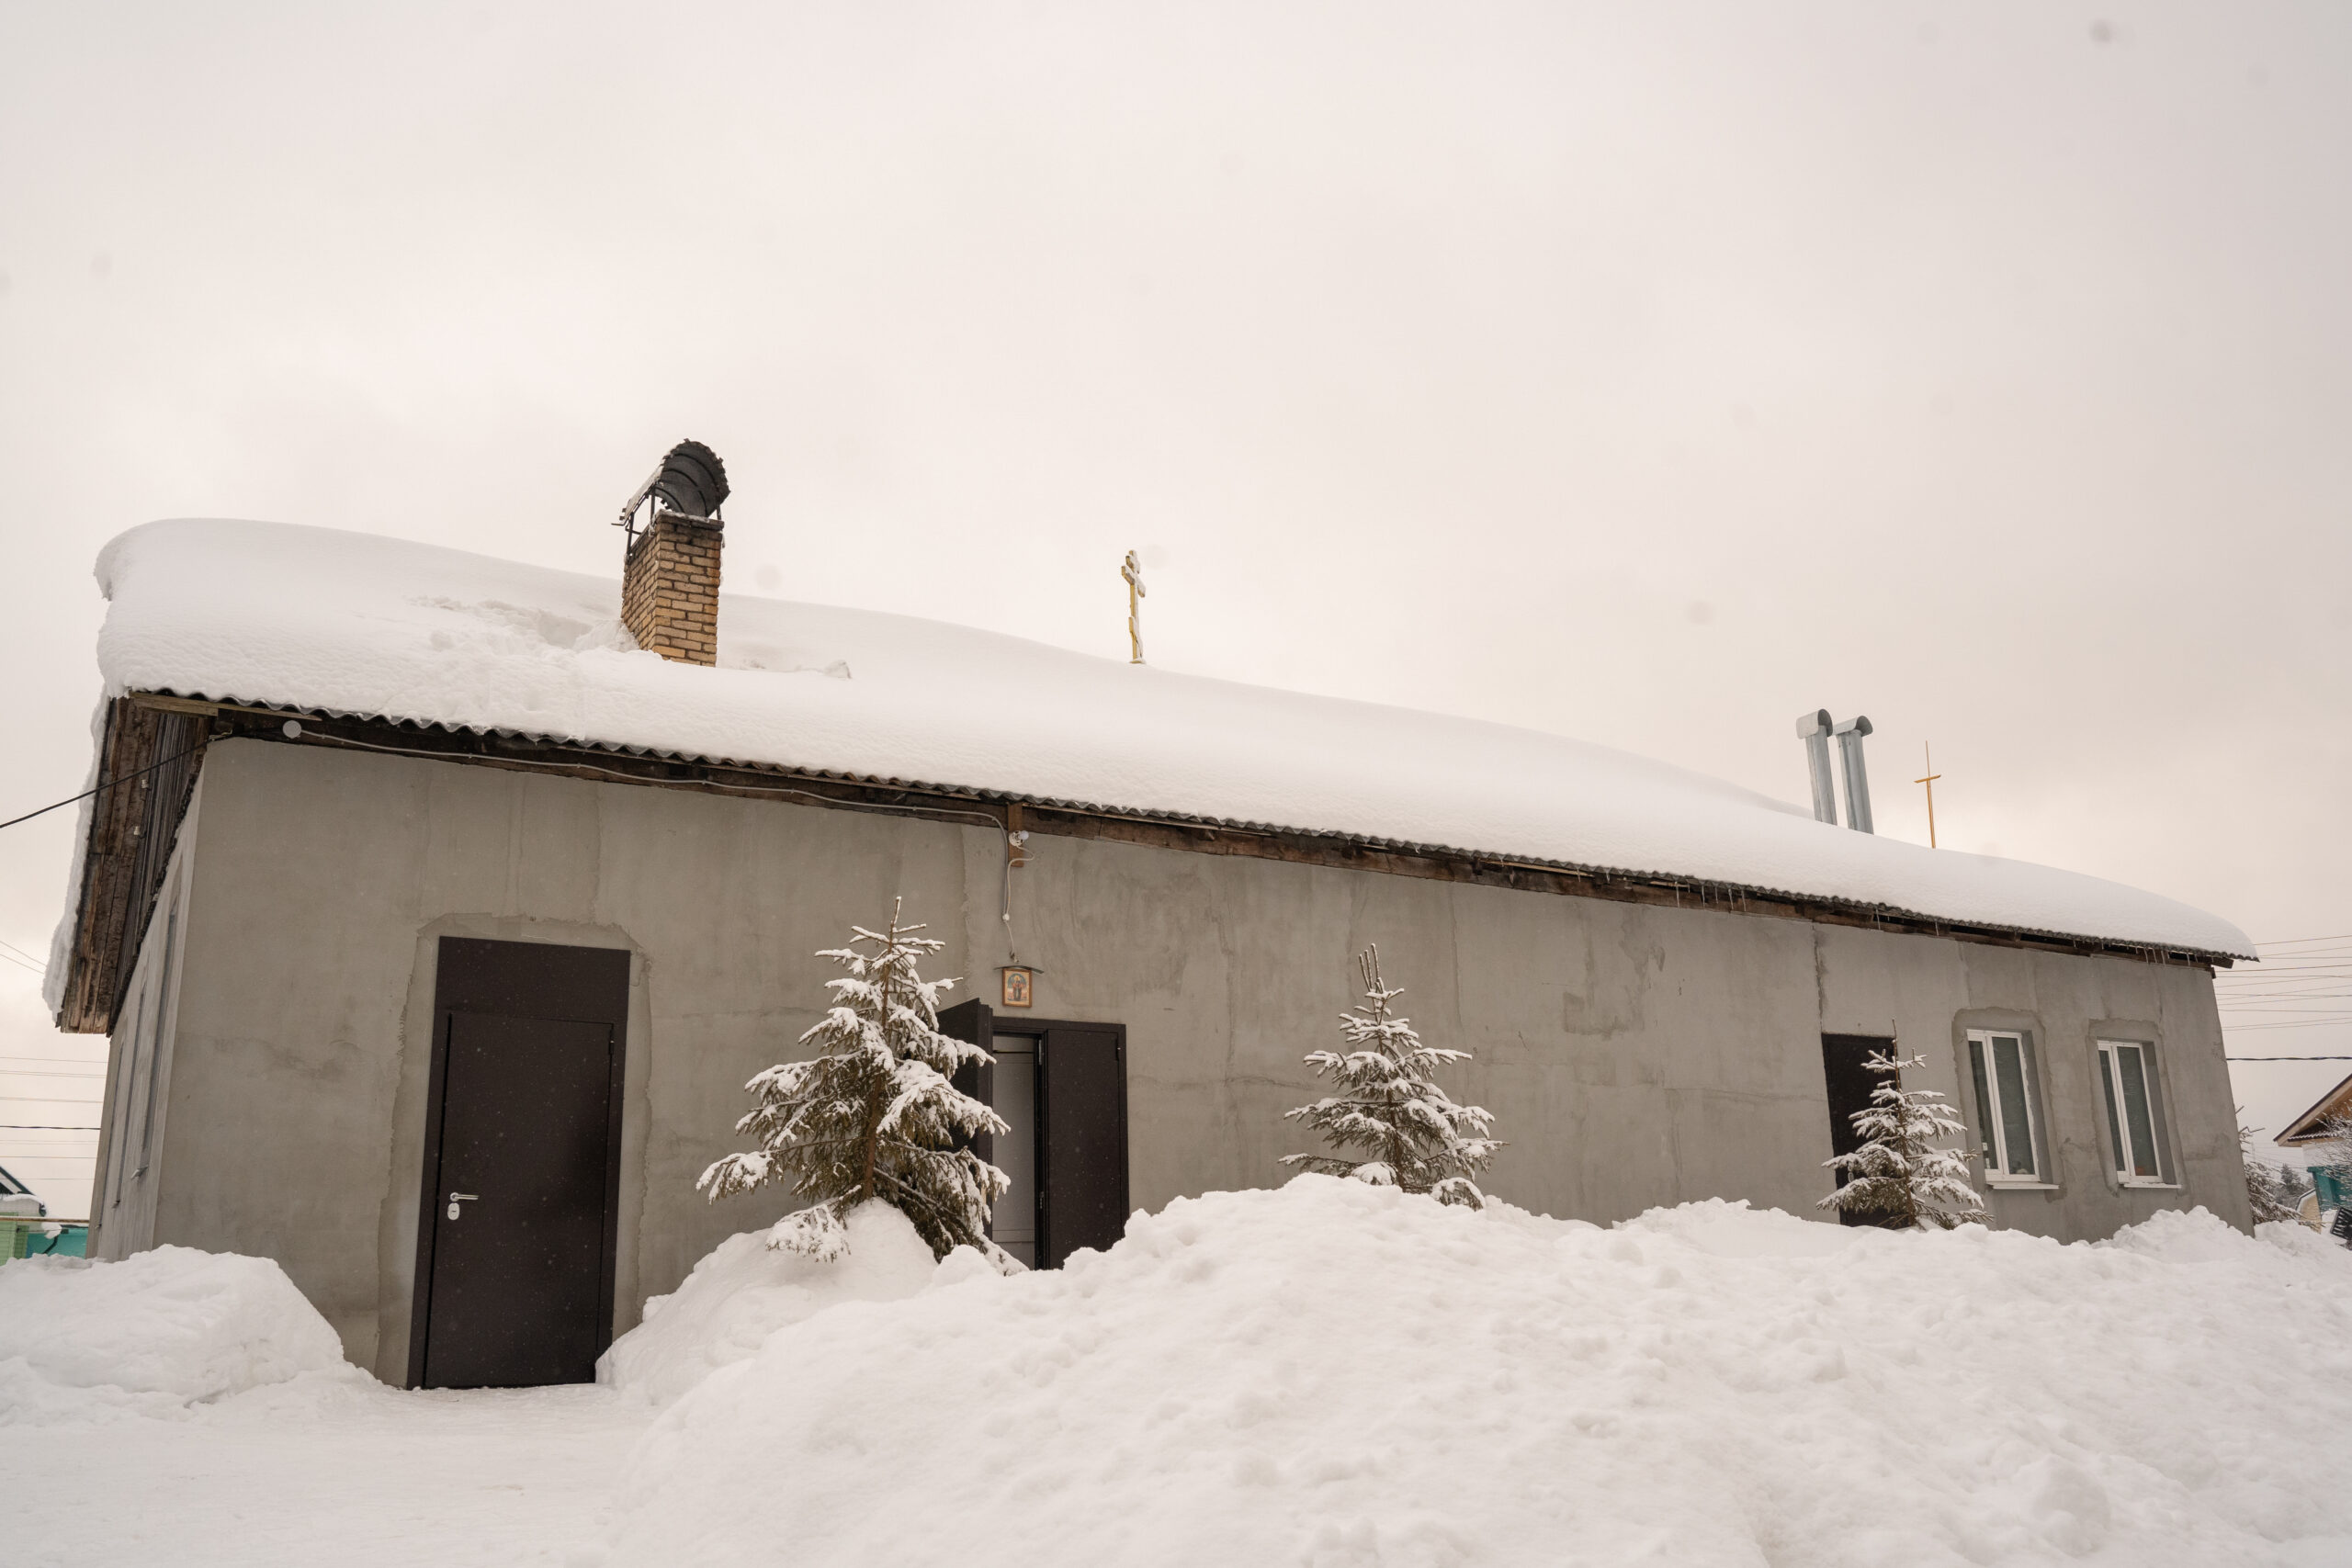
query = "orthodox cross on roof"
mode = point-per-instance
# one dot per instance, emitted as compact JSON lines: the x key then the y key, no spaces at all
{"x":1930,"y":782}
{"x":1133,"y":571}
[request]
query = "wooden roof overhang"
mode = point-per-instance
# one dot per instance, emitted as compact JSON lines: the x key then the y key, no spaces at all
{"x":2311,"y":1126}
{"x":135,"y":822}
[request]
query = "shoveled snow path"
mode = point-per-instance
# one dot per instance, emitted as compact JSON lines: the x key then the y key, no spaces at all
{"x":325,"y":1471}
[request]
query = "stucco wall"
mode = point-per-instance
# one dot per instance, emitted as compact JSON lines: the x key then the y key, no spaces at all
{"x":1633,"y":1055}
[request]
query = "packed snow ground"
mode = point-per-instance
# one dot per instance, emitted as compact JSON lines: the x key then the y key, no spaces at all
{"x":1325,"y":1374}
{"x":317,"y":619}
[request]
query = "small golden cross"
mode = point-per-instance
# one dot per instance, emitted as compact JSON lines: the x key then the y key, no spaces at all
{"x":1930,"y":782}
{"x":1133,"y":571}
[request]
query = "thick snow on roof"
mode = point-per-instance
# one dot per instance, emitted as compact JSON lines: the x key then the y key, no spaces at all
{"x":353,"y":624}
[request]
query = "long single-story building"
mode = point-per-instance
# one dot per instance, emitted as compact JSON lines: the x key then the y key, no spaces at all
{"x":439,"y":907}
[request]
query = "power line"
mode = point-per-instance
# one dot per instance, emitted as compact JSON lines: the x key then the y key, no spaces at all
{"x":101,"y":785}
{"x":2289,"y":1058}
{"x":43,"y":1127}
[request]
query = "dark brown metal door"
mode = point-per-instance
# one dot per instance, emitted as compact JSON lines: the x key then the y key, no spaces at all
{"x":1082,"y":1140}
{"x":518,"y":1247}
{"x":1850,"y":1085}
{"x":516,"y":1234}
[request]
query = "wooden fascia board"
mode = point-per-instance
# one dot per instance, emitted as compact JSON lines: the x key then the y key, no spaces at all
{"x":535,"y":754}
{"x":2309,"y":1128}
{"x":107,"y":931}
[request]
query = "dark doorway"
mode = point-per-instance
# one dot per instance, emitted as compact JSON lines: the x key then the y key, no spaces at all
{"x":516,"y":1234}
{"x":1062,"y":1090}
{"x":1850,"y":1085}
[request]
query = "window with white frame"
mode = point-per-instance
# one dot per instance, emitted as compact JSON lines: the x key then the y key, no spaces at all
{"x":2128,"y":1076}
{"x":2007,"y":1091}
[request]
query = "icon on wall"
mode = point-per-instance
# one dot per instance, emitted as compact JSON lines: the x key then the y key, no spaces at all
{"x":1016,"y":987}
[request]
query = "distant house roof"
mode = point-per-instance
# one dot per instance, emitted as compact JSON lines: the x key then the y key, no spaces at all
{"x":18,"y":1200}
{"x":364,"y":627}
{"x":2311,"y":1127}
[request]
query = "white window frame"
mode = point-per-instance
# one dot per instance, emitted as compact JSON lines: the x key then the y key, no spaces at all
{"x":1993,"y":1150}
{"x":2114,"y":1111}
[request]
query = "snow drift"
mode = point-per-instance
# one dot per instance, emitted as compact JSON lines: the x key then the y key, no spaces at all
{"x":156,"y":1332}
{"x":745,"y":1291}
{"x":1334,"y":1373}
{"x":318,"y":620}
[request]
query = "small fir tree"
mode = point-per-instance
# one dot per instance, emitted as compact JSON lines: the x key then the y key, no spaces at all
{"x":1388,"y":1105}
{"x":1900,"y":1177}
{"x":872,"y":1115}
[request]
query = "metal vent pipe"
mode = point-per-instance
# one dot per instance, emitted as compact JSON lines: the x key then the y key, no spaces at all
{"x":1858,"y":783}
{"x":1813,"y":729}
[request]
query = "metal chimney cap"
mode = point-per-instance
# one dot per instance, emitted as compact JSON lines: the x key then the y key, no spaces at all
{"x":1812,"y":724}
{"x":690,"y":481}
{"x":1856,"y":725}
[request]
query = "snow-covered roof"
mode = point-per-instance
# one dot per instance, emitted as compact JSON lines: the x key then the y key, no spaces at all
{"x":351,"y":623}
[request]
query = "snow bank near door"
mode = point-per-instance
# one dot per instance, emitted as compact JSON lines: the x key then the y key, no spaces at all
{"x":156,"y":1332}
{"x":1333,"y":1374}
{"x":745,"y":1291}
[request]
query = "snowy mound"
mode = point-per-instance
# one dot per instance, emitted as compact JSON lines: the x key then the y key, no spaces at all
{"x":1336,"y":1373}
{"x":324,"y":621}
{"x":158,"y":1330}
{"x":745,"y":1291}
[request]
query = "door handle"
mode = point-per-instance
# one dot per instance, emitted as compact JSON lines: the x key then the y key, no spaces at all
{"x":457,"y":1198}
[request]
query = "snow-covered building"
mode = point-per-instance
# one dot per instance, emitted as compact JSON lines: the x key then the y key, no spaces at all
{"x":438,"y":923}
{"x":2317,"y":1133}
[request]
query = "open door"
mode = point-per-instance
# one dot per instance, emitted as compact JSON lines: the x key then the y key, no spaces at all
{"x":1850,"y":1085}
{"x":1061,"y":1090}
{"x":1082,"y":1143}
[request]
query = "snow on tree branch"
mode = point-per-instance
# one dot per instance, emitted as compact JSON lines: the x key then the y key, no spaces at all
{"x":2270,"y":1192}
{"x":1900,"y":1177}
{"x":874,"y":1114}
{"x":1388,"y":1105}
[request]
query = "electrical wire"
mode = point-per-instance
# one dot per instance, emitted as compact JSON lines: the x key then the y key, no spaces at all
{"x":101,"y":785}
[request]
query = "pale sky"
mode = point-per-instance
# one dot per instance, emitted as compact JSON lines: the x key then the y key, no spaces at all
{"x":1649,"y":375}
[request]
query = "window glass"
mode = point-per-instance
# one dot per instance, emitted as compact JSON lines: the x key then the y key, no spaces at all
{"x":156,"y":1035}
{"x":2132,"y":1070}
{"x":1984,"y":1113}
{"x":2106,"y":1091}
{"x":120,"y":1134}
{"x":2017,"y":1131}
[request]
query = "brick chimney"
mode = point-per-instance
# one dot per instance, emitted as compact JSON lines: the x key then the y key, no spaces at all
{"x":670,"y":588}
{"x":670,"y":579}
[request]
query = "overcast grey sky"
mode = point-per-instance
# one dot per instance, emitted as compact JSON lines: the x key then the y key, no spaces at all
{"x":1645,"y":374}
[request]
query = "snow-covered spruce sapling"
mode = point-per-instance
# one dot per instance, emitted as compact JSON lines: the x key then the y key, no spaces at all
{"x":873,"y":1116}
{"x":1900,"y":1176}
{"x":1413,"y":1133}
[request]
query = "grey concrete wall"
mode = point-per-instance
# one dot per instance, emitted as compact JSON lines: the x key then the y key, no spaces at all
{"x":1633,"y":1055}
